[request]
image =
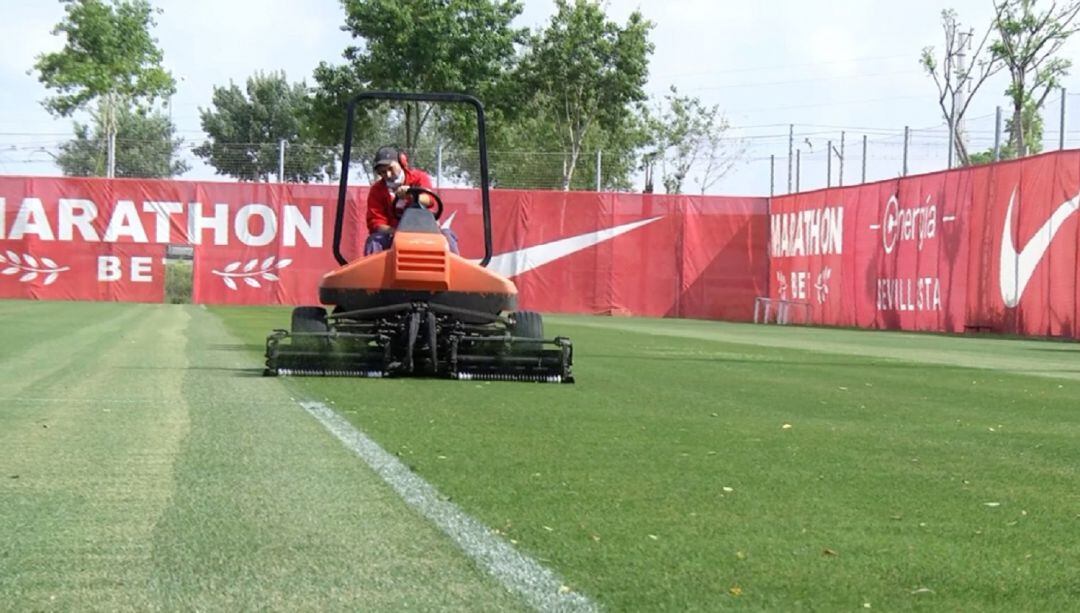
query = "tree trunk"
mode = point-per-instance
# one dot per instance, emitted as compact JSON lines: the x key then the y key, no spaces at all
{"x":962,"y":156}
{"x":1018,"y":131}
{"x":568,"y":169}
{"x":1018,"y":116}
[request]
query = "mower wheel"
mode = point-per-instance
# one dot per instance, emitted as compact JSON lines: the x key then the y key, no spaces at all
{"x":527,"y":324}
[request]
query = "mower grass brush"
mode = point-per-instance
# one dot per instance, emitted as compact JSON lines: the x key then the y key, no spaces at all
{"x":417,"y":339}
{"x":418,"y":308}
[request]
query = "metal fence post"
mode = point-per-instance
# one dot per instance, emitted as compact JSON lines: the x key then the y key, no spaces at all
{"x":772,"y":175}
{"x":798,"y":167}
{"x":790,"y":147}
{"x":281,"y":160}
{"x":110,"y":144}
{"x":828,"y":164}
{"x":907,"y":135}
{"x":110,"y":155}
{"x":863,"y":158}
{"x":840,"y":178}
{"x":599,"y":160}
{"x":1061,"y":138}
{"x":997,"y":134}
{"x":438,"y":166}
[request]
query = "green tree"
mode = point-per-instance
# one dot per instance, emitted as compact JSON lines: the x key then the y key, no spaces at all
{"x":109,"y":61}
{"x":147,"y":147}
{"x":690,"y":136}
{"x":1032,"y":123}
{"x":584,"y":76}
{"x":528,"y":153}
{"x":245,"y":128}
{"x":1027,"y":45}
{"x":419,"y":45}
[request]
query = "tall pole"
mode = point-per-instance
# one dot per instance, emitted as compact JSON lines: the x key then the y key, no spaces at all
{"x":790,"y":147}
{"x":907,"y":135}
{"x":863,"y":159}
{"x":997,"y":134}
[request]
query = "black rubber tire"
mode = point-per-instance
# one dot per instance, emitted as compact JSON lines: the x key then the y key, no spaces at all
{"x":309,"y":319}
{"x":527,"y":324}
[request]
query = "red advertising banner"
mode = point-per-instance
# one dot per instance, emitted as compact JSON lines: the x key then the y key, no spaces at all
{"x":623,"y":254}
{"x":1025,"y":241}
{"x":82,"y":239}
{"x":567,"y":252}
{"x":986,"y":248}
{"x":264,"y":243}
{"x":94,"y":239}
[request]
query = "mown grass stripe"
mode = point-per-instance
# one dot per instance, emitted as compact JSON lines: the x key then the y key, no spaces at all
{"x":1022,"y":356}
{"x":84,"y":478}
{"x":537,"y":585}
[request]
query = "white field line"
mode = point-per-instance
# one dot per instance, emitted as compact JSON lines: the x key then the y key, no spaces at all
{"x":538,"y":586}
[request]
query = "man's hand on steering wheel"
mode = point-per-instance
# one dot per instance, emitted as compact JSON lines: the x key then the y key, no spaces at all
{"x":414,"y":193}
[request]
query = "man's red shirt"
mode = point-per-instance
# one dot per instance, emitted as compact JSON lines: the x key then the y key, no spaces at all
{"x":380,"y":202}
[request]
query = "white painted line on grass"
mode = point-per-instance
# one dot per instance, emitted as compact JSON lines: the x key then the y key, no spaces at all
{"x":538,"y":586}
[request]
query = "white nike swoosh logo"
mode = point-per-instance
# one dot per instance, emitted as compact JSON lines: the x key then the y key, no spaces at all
{"x":1017,"y":268}
{"x":449,"y":220}
{"x":514,"y":263}
{"x":521,"y":261}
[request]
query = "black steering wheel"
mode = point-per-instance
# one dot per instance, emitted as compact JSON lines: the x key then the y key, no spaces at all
{"x":415,"y":191}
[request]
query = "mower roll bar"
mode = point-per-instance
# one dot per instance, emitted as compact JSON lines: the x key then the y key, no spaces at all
{"x":413,"y":97}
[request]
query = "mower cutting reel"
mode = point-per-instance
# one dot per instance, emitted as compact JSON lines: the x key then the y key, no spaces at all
{"x":417,"y":308}
{"x":418,"y":339}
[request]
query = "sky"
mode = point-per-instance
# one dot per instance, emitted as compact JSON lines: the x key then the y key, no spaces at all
{"x":846,"y":66}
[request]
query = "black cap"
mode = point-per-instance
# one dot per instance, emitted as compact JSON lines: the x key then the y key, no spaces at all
{"x":384,"y":156}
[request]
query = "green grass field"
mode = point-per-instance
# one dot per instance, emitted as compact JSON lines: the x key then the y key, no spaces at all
{"x":694,"y":466}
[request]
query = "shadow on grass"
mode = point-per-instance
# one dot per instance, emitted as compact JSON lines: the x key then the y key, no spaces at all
{"x":254,"y":371}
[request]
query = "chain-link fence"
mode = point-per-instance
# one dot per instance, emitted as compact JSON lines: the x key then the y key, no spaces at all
{"x":769,"y":159}
{"x":823,"y":156}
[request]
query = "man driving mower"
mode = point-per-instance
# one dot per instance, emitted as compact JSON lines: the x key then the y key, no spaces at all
{"x":388,"y":197}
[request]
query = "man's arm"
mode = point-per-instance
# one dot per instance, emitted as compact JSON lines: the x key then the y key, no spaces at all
{"x":420,"y":179}
{"x":377,"y":221}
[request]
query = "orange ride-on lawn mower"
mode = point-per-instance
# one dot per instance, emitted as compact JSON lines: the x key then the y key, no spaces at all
{"x":417,"y":308}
